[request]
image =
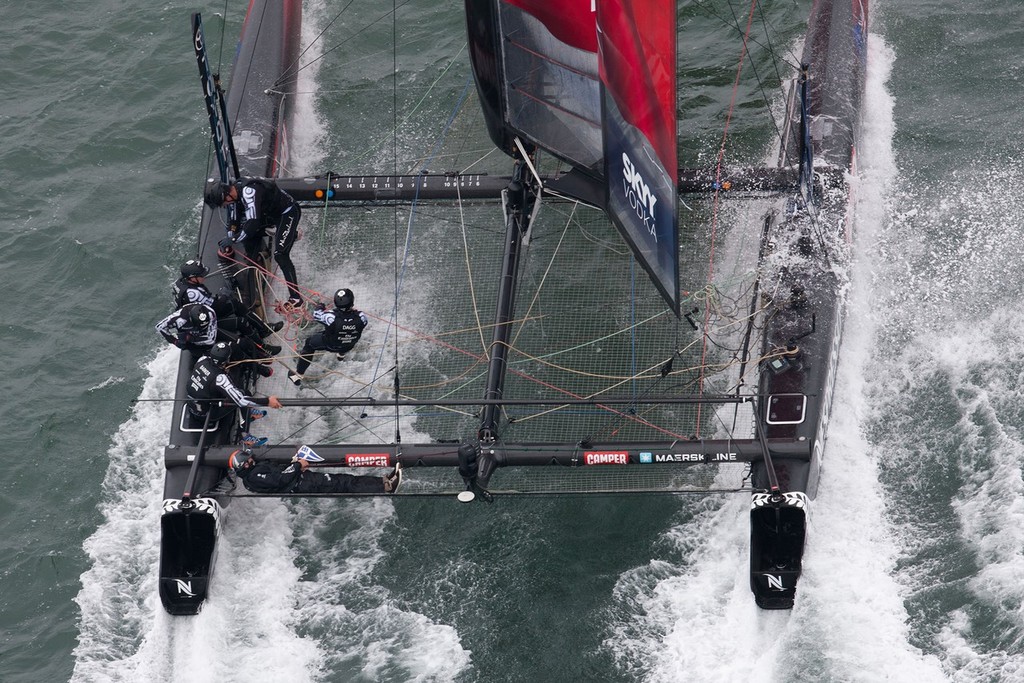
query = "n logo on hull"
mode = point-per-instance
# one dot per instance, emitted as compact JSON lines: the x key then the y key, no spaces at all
{"x":184,"y":587}
{"x":775,"y":582}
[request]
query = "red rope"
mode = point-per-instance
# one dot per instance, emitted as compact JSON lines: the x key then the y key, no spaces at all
{"x":527,"y":377}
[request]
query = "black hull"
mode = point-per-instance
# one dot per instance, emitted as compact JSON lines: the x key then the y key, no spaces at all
{"x":808,"y":319}
{"x":269,"y":45}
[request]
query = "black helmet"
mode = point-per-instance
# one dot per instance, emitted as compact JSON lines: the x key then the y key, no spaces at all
{"x":215,"y":193}
{"x":221,"y":353}
{"x":343,"y":299}
{"x":193,"y":268}
{"x":199,"y":315}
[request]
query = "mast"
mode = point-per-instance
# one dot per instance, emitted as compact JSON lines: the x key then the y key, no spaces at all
{"x":519,"y":199}
{"x":227,"y":160}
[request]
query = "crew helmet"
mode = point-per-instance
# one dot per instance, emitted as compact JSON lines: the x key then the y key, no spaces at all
{"x":239,"y":459}
{"x":221,"y":353}
{"x":215,"y":193}
{"x":199,"y":315}
{"x":344,"y":299}
{"x":194,"y":268}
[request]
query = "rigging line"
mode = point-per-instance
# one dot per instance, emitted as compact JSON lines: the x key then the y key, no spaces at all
{"x":608,"y":245}
{"x":612,"y":429}
{"x":394,"y":158}
{"x":632,"y":319}
{"x":492,"y":150}
{"x":465,"y":89}
{"x":524,"y":375}
{"x":450,"y":380}
{"x":248,"y":71}
{"x":400,"y":275}
{"x":543,"y":279}
{"x":597,"y":339}
{"x":594,"y":375}
{"x":487,"y":326}
{"x":287,"y":73}
{"x":249,"y":263}
{"x":735,"y":24}
{"x":322,"y":416}
{"x":462,"y":151}
{"x":757,"y":76}
{"x":718,"y":192}
{"x":771,"y":47}
{"x":469,"y":271}
{"x":623,"y":380}
{"x":223,"y":29}
{"x":393,"y":11}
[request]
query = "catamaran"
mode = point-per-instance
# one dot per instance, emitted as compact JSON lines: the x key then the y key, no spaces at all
{"x":583,"y":344}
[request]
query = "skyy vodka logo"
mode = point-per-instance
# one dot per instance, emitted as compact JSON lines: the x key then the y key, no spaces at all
{"x":638,"y":194}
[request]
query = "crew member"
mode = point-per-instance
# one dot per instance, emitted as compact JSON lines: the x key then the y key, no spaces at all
{"x":295,"y":477}
{"x":254,"y":206}
{"x":194,"y":327}
{"x":190,"y":289}
{"x":343,"y":327}
{"x":210,"y":383}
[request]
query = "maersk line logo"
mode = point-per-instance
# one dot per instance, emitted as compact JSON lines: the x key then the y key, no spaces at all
{"x":638,"y":195}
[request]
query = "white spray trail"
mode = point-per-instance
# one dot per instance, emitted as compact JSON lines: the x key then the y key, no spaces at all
{"x":267,"y":618}
{"x":849,"y":622}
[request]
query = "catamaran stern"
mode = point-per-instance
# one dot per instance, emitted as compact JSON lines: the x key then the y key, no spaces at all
{"x":778,"y":524}
{"x":188,"y":551}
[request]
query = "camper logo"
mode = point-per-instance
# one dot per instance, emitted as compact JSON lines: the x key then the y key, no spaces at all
{"x":367,"y":460}
{"x":606,"y":458}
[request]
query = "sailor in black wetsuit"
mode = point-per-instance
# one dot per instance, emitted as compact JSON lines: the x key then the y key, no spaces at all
{"x":254,"y":205}
{"x":194,"y":327}
{"x":190,"y":289}
{"x":295,"y":477}
{"x":344,"y":326}
{"x":210,"y":384}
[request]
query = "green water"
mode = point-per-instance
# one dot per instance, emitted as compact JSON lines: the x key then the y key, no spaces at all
{"x":915,"y":573}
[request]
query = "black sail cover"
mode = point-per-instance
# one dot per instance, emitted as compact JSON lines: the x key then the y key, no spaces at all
{"x":596,"y":88}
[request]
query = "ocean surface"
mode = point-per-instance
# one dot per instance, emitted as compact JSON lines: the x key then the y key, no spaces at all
{"x":914,"y":570}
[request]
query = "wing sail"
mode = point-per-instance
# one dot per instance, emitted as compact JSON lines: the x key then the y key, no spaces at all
{"x":637,"y":56}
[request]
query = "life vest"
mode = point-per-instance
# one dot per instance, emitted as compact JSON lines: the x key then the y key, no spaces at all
{"x":202,"y":385}
{"x":346,"y":329}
